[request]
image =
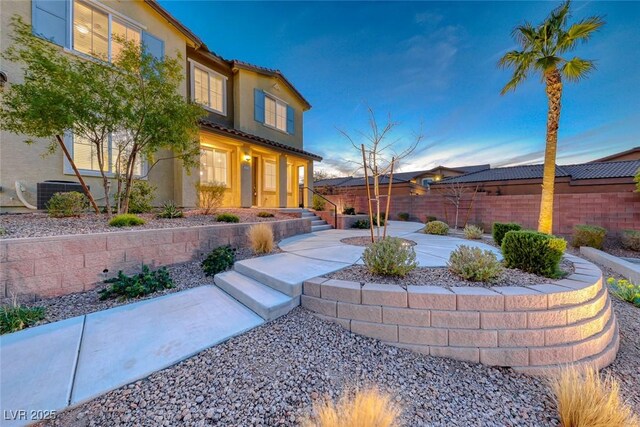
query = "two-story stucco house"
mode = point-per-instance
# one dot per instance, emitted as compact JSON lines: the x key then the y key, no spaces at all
{"x":251,"y":140}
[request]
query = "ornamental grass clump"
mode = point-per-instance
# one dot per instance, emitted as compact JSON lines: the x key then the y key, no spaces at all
{"x":390,"y":256}
{"x":436,"y":227}
{"x":126,"y":220}
{"x":364,"y":408}
{"x":630,"y":239}
{"x":625,"y":290}
{"x":473,"y":232}
{"x":144,"y":283}
{"x":16,"y":317}
{"x":534,"y":252}
{"x":63,"y":205}
{"x":220,"y":259}
{"x":170,"y":210}
{"x":584,"y":399}
{"x":588,"y":235}
{"x":502,"y":228}
{"x":475,"y":264}
{"x":261,"y":238}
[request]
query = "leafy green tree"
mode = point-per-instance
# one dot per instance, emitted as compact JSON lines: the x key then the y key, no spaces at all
{"x":134,"y":101}
{"x":637,"y":180}
{"x":542,"y":50}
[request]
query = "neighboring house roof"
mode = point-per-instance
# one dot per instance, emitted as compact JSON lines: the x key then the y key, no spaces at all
{"x":601,"y":170}
{"x":616,"y":155}
{"x":332,"y":182}
{"x":207,"y":125}
{"x":472,"y":168}
{"x":173,"y":21}
{"x":273,"y":73}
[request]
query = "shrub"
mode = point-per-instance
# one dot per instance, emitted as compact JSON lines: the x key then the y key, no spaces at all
{"x":533,"y":252}
{"x":62,"y":205}
{"x":3,"y":231}
{"x":588,"y":235}
{"x":16,"y":317}
{"x":126,"y":220}
{"x":473,"y":232}
{"x":502,"y":228}
{"x":390,"y":256}
{"x":220,"y":259}
{"x":583,"y":398}
{"x":210,"y":196}
{"x":318,"y":203}
{"x":362,"y":224}
{"x":349,"y":211}
{"x":475,"y":264}
{"x":437,"y":227}
{"x":261,"y":238}
{"x":170,"y":210}
{"x":630,"y":239}
{"x":403,"y":216}
{"x":141,"y":284}
{"x":227,"y":217}
{"x":141,"y":197}
{"x":369,"y":408}
{"x":431,"y":218}
{"x":265,"y":215}
{"x":625,"y":290}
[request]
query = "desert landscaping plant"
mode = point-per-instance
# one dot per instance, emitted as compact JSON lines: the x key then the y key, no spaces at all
{"x":475,"y":264}
{"x":210,"y":196}
{"x":534,"y":252}
{"x":588,"y":235}
{"x":501,"y":228}
{"x":62,"y":205}
{"x":362,"y":224}
{"x":220,"y":259}
{"x":630,"y":239}
{"x":362,"y":408}
{"x":390,"y":256}
{"x":126,"y":220}
{"x":141,"y":284}
{"x":348,"y":210}
{"x":16,"y":317}
{"x":265,"y":215}
{"x":140,"y":197}
{"x":170,"y":210}
{"x":473,"y":232}
{"x":403,"y":216}
{"x":227,"y":217}
{"x":625,"y":290}
{"x":542,"y":52}
{"x":430,"y":218}
{"x":318,"y":203}
{"x":261,"y":238}
{"x":585,"y":399}
{"x":436,"y":227}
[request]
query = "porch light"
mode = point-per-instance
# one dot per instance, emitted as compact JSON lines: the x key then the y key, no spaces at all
{"x":246,"y":158}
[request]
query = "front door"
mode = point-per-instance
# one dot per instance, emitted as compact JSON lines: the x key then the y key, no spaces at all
{"x":254,"y":182}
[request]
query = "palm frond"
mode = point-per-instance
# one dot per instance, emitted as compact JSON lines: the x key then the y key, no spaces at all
{"x":525,"y":35}
{"x":519,"y":75}
{"x":577,"y":69}
{"x":580,"y":31}
{"x":557,"y":19}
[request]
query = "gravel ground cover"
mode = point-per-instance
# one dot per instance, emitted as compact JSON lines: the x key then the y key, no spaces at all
{"x":271,"y":375}
{"x":185,"y":276}
{"x":41,"y":225}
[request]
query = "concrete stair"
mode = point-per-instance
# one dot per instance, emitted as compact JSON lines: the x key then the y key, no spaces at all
{"x":317,"y":223}
{"x":265,"y":301}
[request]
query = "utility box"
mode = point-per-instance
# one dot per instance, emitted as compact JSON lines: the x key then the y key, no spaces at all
{"x":47,"y":189}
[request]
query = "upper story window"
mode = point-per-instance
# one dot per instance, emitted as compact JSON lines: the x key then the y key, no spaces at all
{"x":208,"y":88}
{"x":273,"y":112}
{"x":91,"y":33}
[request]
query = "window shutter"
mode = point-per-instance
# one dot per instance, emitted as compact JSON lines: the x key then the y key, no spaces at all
{"x":291,"y":120}
{"x":258,"y":110}
{"x":50,"y":20}
{"x":153,"y":45}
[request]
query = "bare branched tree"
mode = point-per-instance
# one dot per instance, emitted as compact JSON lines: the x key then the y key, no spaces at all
{"x":454,"y":193}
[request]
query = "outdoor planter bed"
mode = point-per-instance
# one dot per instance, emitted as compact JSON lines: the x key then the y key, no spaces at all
{"x":530,"y":328}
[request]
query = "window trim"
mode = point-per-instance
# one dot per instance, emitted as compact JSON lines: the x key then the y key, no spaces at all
{"x":227,"y":154}
{"x":264,"y":175}
{"x":276,"y":99}
{"x":192,"y":83}
{"x":290,"y":178}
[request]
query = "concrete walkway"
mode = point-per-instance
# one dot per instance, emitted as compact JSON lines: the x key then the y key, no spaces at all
{"x":53,"y":366}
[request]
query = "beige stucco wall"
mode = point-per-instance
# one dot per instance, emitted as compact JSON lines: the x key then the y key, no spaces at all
{"x":244,"y":83}
{"x":25,"y":163}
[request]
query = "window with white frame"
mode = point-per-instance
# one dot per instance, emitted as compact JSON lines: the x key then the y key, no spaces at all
{"x":270,"y":178}
{"x":209,"y":88}
{"x":85,"y":155}
{"x":91,"y":34}
{"x":275,"y":113}
{"x":214,"y":166}
{"x":115,"y":154}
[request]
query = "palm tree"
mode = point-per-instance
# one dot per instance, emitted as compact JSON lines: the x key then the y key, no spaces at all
{"x":542,"y":50}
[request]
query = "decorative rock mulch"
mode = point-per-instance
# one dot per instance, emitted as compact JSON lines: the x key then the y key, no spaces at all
{"x":366,"y":241}
{"x":41,"y":225}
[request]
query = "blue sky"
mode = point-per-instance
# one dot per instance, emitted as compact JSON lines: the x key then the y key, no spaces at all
{"x":432,"y":65}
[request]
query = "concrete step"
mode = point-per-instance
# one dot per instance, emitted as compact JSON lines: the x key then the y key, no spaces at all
{"x":318,"y":222}
{"x":308,"y":215}
{"x":315,"y":228}
{"x":265,"y":301}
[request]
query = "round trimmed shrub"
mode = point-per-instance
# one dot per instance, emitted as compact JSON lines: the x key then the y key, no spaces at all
{"x":588,"y":235}
{"x":349,"y":211}
{"x":475,"y":264}
{"x":403,"y":216}
{"x":227,"y":217}
{"x":220,"y":259}
{"x":630,"y":239}
{"x":390,"y":256}
{"x":502,"y":228}
{"x":126,"y":220}
{"x":437,"y":227}
{"x":265,"y":215}
{"x":473,"y":232}
{"x":533,"y":252}
{"x":141,"y":197}
{"x":62,"y":205}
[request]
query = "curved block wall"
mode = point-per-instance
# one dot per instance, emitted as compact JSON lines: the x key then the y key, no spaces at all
{"x":529,"y":328}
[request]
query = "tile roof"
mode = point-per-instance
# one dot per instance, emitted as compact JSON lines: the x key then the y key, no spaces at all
{"x":601,"y":170}
{"x":207,"y":125}
{"x":616,"y":155}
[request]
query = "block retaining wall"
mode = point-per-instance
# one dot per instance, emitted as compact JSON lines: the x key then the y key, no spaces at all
{"x":531,"y":329}
{"x":59,"y":265}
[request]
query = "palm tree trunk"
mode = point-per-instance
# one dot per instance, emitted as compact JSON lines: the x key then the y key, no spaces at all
{"x":554,"y":95}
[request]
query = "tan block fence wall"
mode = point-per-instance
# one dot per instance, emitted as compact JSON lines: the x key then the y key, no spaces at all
{"x":613,"y":211}
{"x":530,"y":329}
{"x":59,"y":265}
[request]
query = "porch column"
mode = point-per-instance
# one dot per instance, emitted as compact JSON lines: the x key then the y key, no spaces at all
{"x":246,"y":187}
{"x":308,"y":182}
{"x":282,"y":180}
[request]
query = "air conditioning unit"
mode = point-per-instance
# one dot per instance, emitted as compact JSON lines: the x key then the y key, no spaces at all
{"x":47,"y":189}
